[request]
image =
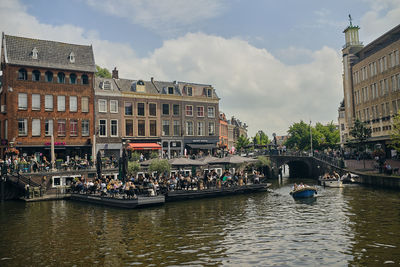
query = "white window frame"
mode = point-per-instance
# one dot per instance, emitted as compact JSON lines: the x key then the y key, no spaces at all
{"x":187,"y":128}
{"x":103,"y":105}
{"x":48,"y":102}
{"x":84,"y":132}
{"x":111,"y":128}
{"x":213,"y":112}
{"x":25,"y":132}
{"x":211,"y":133}
{"x":36,"y":127}
{"x":61,"y":103}
{"x":186,"y":110}
{"x":70,"y":127}
{"x":200,"y":130}
{"x":84,"y":104}
{"x":48,"y":123}
{"x":35,"y":101}
{"x":166,"y":123}
{"x":197,"y":111}
{"x":73,"y":100}
{"x":113,"y":106}
{"x":105,"y":128}
{"x":22,"y":101}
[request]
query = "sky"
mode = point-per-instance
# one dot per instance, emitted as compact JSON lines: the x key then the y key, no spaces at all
{"x":272,"y":63}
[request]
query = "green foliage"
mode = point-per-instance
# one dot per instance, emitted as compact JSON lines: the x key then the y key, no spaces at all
{"x":160,"y":166}
{"x":133,"y":167}
{"x":360,"y":132}
{"x":102,"y":72}
{"x":395,"y":134}
{"x":323,"y":136}
{"x":135,"y":156}
{"x":242,"y":142}
{"x":260,"y":139}
{"x":262,"y":162}
{"x":154,"y":155}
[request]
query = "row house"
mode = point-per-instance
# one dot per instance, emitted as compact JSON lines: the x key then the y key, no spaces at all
{"x":47,"y":90}
{"x":173,"y":118}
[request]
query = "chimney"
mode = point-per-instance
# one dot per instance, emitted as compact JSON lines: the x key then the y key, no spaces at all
{"x":115,"y":73}
{"x":152,"y":79}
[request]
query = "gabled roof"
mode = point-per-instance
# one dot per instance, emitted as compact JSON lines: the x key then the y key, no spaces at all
{"x":163,"y":87}
{"x":99,"y":81}
{"x":127,"y":85}
{"x":197,"y":88}
{"x":50,"y":54}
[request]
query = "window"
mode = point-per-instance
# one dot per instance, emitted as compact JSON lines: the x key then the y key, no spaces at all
{"x":140,"y":109}
{"x":34,"y":53}
{"x":141,"y":128}
{"x":128,"y":109}
{"x":106,"y":85}
{"x":35,"y":102}
{"x":113,"y":106}
{"x":189,"y":91}
{"x":171,"y":90}
{"x":6,"y":129}
{"x":85,"y":104}
{"x":22,"y":101}
{"x":48,"y":127}
{"x":200,"y":111}
{"x":36,"y":76}
{"x":85,"y":79}
{"x":129,"y":127}
{"x":102,"y":105}
{"x":71,"y":57}
{"x":73,"y":127}
{"x":211,"y":128}
{"x":189,"y":128}
{"x":48,"y":76}
{"x":35,"y":127}
{"x":73,"y":103}
{"x":200,"y":128}
{"x":165,"y":128}
{"x":153,"y":109}
{"x":176,"y":109}
{"x":22,"y":75}
{"x":209,"y":92}
{"x":60,"y":103}
{"x":165,"y":109}
{"x":189,"y":110}
{"x":72,"y":78}
{"x":48,"y":102}
{"x":177,"y":128}
{"x":61,"y":127}
{"x":396,"y":55}
{"x":153,"y":128}
{"x":85,"y":128}
{"x":211,"y":112}
{"x":114,"y":128}
{"x":102,"y":128}
{"x":61,"y":77}
{"x":22,"y":127}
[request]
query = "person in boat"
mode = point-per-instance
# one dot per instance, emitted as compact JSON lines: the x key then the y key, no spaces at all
{"x":295,"y":186}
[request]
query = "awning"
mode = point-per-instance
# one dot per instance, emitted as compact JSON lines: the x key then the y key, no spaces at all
{"x":202,"y":146}
{"x":144,"y":146}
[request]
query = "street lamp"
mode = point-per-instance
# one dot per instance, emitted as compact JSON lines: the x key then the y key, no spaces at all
{"x":311,"y":154}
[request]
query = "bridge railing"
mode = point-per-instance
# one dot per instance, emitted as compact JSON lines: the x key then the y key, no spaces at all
{"x":335,"y":161}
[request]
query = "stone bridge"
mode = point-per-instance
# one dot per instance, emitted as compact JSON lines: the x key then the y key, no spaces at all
{"x":304,"y":166}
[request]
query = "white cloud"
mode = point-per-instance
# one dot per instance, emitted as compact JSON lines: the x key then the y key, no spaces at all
{"x":254,"y":86}
{"x":164,"y":16}
{"x":383,"y":16}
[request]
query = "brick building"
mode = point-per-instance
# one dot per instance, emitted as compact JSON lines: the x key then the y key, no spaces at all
{"x":371,"y":84}
{"x":47,"y":89}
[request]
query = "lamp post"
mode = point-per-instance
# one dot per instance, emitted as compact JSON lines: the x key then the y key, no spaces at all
{"x":311,"y":154}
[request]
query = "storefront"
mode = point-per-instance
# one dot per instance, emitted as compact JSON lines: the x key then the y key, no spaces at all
{"x":196,"y":146}
{"x":172,"y":147}
{"x":61,"y":149}
{"x":110,"y":150}
{"x":144,"y":149}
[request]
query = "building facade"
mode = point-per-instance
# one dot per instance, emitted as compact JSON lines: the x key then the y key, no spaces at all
{"x":371,"y":84}
{"x":47,"y":90}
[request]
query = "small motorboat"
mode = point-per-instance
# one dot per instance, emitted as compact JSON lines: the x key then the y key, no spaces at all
{"x":303,"y":191}
{"x":350,"y":178}
{"x":331,"y":180}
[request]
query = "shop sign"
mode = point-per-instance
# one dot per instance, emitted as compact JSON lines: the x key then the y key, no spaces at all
{"x":55,"y":143}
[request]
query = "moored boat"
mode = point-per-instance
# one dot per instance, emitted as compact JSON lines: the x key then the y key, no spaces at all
{"x":303,"y":191}
{"x":331,"y":182}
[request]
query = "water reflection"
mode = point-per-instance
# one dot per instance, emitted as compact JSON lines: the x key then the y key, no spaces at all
{"x":352,"y":225}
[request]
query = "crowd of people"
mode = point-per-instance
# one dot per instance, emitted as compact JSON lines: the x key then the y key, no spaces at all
{"x":153,"y":185}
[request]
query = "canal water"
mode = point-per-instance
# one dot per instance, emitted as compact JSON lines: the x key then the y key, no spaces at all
{"x":357,"y":226}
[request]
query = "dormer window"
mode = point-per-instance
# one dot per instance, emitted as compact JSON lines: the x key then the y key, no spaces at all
{"x":71,"y":57}
{"x":140,"y":82}
{"x":171,"y":90}
{"x":34,"y":53}
{"x":208,"y":92}
{"x":106,"y":85}
{"x":189,"y":91}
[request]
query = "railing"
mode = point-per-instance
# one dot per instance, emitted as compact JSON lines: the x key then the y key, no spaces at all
{"x":337,"y":162}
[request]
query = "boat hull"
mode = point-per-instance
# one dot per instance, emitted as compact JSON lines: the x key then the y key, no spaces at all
{"x":140,"y":201}
{"x":304,"y":192}
{"x":332,"y":183}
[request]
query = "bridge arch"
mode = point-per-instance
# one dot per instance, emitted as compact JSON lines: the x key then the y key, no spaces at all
{"x":299,"y":167}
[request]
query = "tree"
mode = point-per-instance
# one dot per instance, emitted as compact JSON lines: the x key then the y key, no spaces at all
{"x":242,"y":142}
{"x":299,"y":136}
{"x":260,"y":139}
{"x":102,"y":72}
{"x":330,"y":136}
{"x":360,"y":132}
{"x":133,"y":167}
{"x":395,"y":134}
{"x":160,"y":166}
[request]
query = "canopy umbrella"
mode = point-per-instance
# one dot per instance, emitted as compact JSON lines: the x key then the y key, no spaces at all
{"x":98,"y":165}
{"x":232,"y":159}
{"x":207,"y":159}
{"x":185,"y":162}
{"x":148,"y":162}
